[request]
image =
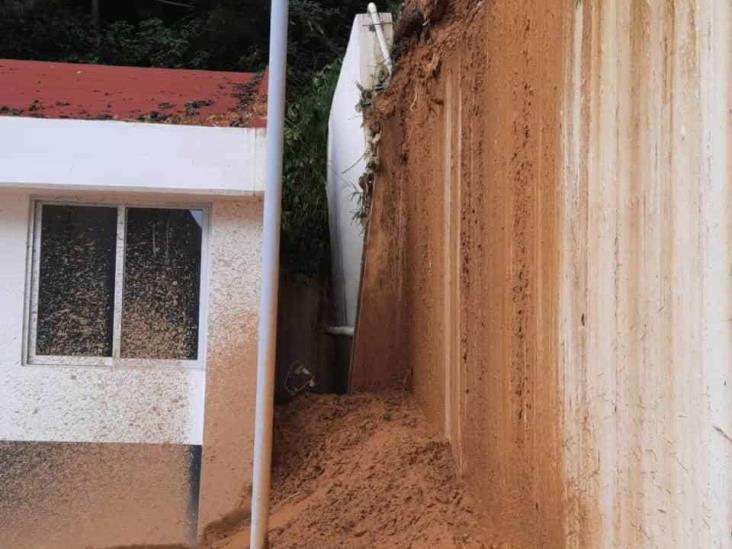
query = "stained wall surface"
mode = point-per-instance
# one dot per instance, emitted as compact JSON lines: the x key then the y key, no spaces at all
{"x":69,"y":495}
{"x":461,"y":265}
{"x":646,"y":274}
{"x":548,"y":264}
{"x":139,"y":444}
{"x":228,"y":436}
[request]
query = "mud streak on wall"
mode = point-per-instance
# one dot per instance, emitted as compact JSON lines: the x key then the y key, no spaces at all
{"x":460,"y":280}
{"x":548,"y":263}
{"x":646,"y":297}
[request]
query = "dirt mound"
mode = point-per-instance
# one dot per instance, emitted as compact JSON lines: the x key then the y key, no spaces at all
{"x":362,"y":471}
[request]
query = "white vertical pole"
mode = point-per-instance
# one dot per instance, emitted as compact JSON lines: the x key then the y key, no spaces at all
{"x":270,"y":275}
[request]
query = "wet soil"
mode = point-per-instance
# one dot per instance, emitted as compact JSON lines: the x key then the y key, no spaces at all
{"x":363,"y":471}
{"x":460,"y":282}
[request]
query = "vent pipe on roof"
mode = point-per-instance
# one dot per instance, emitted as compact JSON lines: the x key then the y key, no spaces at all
{"x":270,"y":275}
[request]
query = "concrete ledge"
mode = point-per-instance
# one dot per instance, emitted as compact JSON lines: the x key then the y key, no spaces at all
{"x":107,"y":155}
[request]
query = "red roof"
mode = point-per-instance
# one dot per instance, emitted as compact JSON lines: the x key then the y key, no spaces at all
{"x":65,"y":90}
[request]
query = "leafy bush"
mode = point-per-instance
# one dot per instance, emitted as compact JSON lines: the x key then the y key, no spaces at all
{"x":48,"y":32}
{"x":305,"y":247}
{"x":152,"y":43}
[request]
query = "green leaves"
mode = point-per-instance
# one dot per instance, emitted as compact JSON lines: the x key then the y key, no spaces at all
{"x":150,"y":43}
{"x":52,"y":33}
{"x":305,"y":238}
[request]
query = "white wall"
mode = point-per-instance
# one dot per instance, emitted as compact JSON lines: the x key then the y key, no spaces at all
{"x":228,"y":445}
{"x":66,"y":154}
{"x":346,"y":147}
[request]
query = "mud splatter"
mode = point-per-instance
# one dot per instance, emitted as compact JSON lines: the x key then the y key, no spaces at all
{"x":162,"y":282}
{"x":76,"y":280}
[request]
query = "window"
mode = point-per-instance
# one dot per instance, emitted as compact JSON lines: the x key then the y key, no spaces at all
{"x":116,"y":285}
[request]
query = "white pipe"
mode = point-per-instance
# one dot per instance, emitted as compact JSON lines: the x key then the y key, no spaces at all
{"x":376,"y":19}
{"x":347,"y":331}
{"x":270,"y":275}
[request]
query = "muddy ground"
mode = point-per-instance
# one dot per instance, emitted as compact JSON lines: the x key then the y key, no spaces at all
{"x":363,"y":471}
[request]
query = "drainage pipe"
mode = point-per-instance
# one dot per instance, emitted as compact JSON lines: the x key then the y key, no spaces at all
{"x":347,"y":331}
{"x":270,"y":275}
{"x":376,"y":19}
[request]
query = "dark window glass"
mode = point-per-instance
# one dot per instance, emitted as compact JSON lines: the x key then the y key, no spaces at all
{"x":76,"y":281}
{"x":161,"y":284}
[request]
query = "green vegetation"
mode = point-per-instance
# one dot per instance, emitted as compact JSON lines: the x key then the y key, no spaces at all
{"x":216,"y":35}
{"x":304,"y":207}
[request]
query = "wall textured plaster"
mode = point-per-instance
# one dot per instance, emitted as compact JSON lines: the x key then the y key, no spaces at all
{"x":148,"y":418}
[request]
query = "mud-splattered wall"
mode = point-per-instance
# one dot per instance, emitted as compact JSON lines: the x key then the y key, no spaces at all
{"x":228,"y":439}
{"x":82,"y":464}
{"x":646,"y":274}
{"x":73,"y":495}
{"x":548,"y":264}
{"x":460,"y":279}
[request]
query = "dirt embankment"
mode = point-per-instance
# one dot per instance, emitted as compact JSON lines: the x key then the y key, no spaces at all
{"x":362,"y":471}
{"x":460,"y":288}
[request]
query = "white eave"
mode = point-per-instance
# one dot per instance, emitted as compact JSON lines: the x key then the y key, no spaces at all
{"x":107,"y":155}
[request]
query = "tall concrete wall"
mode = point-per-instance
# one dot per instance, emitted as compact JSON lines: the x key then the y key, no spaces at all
{"x":548,"y":264}
{"x":646,"y":274}
{"x":347,"y":158}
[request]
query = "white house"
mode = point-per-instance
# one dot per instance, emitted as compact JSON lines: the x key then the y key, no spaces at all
{"x":130,"y":236}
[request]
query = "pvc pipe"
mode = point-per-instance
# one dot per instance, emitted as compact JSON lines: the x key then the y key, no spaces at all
{"x":340,"y":331}
{"x":376,"y":19}
{"x":270,"y":275}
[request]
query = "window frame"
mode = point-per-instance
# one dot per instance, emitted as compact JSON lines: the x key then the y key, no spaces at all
{"x":31,"y":358}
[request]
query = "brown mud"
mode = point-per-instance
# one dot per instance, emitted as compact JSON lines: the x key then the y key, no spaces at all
{"x":363,"y":471}
{"x":460,"y":286}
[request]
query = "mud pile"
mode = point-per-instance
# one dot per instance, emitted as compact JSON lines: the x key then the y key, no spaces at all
{"x":362,"y":471}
